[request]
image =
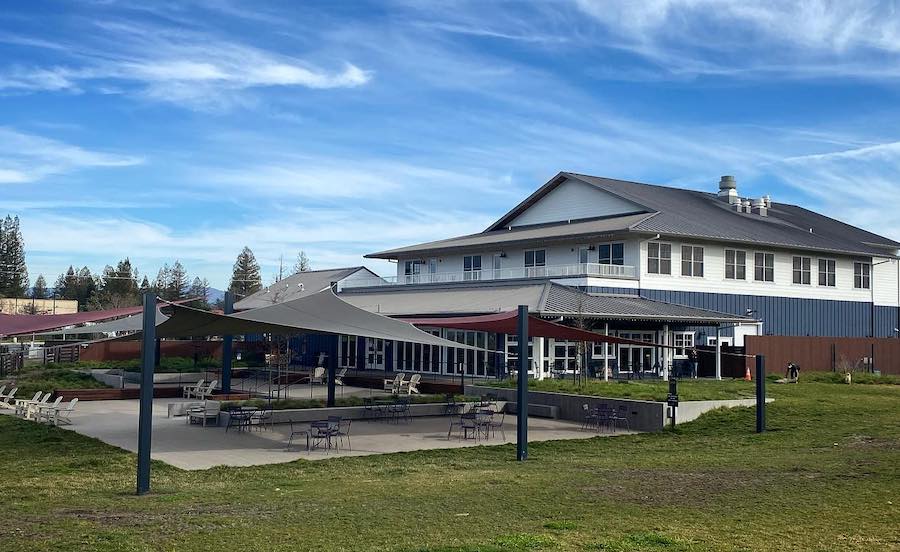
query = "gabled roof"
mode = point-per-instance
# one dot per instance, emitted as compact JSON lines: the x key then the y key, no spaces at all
{"x":672,"y":212}
{"x":298,"y":285}
{"x":546,"y":299}
{"x":547,"y":233}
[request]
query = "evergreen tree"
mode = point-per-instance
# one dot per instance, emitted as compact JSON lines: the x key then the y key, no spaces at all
{"x":178,"y":282}
{"x":145,"y":285}
{"x":163,"y":277}
{"x":13,"y":271}
{"x":245,"y":277}
{"x":302,"y":264}
{"x":86,"y":290}
{"x":118,"y":286}
{"x":200,"y":290}
{"x":66,"y":286}
{"x":39,"y":291}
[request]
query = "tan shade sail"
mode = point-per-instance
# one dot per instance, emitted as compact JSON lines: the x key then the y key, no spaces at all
{"x":319,"y":313}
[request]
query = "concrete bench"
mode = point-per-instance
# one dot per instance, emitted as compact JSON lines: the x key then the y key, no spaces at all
{"x":536,"y":410}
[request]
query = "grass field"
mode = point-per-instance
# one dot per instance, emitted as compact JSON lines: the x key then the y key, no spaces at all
{"x":825,"y":477}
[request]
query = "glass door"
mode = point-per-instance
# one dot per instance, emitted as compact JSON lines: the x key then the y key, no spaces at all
{"x":375,"y":354}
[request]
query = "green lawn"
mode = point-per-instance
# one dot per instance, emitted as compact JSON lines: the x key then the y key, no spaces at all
{"x":825,"y":477}
{"x":647,"y":390}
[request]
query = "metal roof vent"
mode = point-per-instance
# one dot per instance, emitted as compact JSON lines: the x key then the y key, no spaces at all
{"x":728,"y":190}
{"x":759,"y":207}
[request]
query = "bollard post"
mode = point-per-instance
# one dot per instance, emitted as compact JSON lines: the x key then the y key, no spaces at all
{"x":760,"y":393}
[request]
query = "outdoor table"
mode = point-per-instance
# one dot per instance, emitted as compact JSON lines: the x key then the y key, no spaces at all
{"x":241,"y":415}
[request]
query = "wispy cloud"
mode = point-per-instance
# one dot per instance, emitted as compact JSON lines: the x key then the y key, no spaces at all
{"x":178,"y":65}
{"x":802,"y":39}
{"x":29,"y":158}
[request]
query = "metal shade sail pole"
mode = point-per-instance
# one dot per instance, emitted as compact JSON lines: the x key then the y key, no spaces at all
{"x":227,"y":347}
{"x":522,"y":401}
{"x":145,"y":417}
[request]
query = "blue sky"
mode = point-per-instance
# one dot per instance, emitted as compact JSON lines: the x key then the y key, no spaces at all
{"x":186,"y":130}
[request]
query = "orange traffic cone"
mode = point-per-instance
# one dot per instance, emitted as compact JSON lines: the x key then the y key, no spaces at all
{"x":747,"y":376}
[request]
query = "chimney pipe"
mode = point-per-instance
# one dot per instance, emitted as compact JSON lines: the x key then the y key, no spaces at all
{"x":728,"y":190}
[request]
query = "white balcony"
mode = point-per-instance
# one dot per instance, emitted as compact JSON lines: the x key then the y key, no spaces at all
{"x":565,"y":271}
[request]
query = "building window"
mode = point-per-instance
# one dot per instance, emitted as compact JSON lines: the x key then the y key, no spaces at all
{"x":691,"y":261}
{"x":472,"y":267}
{"x":534,"y":258}
{"x":682,"y":340}
{"x":659,"y":258}
{"x":827,"y":272}
{"x":735,"y":264}
{"x":764,"y":267}
{"x":412,"y":270}
{"x":802,"y":270}
{"x":612,"y":253}
{"x":862,"y":275}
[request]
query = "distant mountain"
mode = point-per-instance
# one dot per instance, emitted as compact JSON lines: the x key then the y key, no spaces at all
{"x":214,"y":295}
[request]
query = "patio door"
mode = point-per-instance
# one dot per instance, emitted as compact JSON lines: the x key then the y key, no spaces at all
{"x":374,"y":354}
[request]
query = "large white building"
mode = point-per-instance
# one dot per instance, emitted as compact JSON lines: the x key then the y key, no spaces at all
{"x":654,"y":263}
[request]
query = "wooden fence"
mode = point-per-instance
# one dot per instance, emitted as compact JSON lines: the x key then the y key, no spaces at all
{"x":826,"y":354}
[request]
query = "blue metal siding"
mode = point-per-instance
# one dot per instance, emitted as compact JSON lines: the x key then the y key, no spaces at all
{"x":791,"y":316}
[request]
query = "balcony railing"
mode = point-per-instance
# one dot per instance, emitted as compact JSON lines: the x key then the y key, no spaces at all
{"x":564,"y":271}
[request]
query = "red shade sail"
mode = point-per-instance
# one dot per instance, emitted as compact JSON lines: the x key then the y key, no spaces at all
{"x":507,"y":323}
{"x":22,"y":324}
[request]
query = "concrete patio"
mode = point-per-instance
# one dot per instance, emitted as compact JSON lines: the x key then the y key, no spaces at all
{"x":193,"y":447}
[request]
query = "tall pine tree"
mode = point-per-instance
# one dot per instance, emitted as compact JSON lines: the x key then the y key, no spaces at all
{"x":200,"y":291}
{"x":178,"y":283}
{"x":245,"y":276}
{"x":13,"y":271}
{"x":40,"y":291}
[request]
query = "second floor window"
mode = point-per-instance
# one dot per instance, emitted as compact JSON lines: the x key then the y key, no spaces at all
{"x":735,"y":264}
{"x":537,"y":257}
{"x":659,"y":258}
{"x":827,"y":272}
{"x":413,"y":267}
{"x":862,"y":275}
{"x":584,"y":255}
{"x":612,"y":253}
{"x":472,"y":267}
{"x":802,"y":270}
{"x":764,"y":267}
{"x":691,"y":261}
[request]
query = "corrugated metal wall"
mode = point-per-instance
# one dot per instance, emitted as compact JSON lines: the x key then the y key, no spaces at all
{"x":786,"y":315}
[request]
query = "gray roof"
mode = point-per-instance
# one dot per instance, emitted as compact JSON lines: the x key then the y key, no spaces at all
{"x":594,"y":228}
{"x":547,"y":299}
{"x":673,"y":212}
{"x":297,"y":285}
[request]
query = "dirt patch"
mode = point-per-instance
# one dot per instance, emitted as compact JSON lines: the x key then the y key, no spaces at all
{"x":866,"y":442}
{"x":671,"y":488}
{"x":187,"y":515}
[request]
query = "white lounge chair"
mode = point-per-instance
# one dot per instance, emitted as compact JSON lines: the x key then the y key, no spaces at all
{"x":190,"y":391}
{"x":207,"y":391}
{"x":57,"y":414}
{"x":411,"y":386}
{"x":209,"y":411}
{"x":6,"y":400}
{"x":33,"y":412}
{"x":22,"y":404}
{"x":339,"y":377}
{"x":317,"y":375}
{"x":394,"y":385}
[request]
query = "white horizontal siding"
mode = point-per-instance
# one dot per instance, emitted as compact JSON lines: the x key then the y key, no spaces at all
{"x":714,"y":281}
{"x":574,"y":200}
